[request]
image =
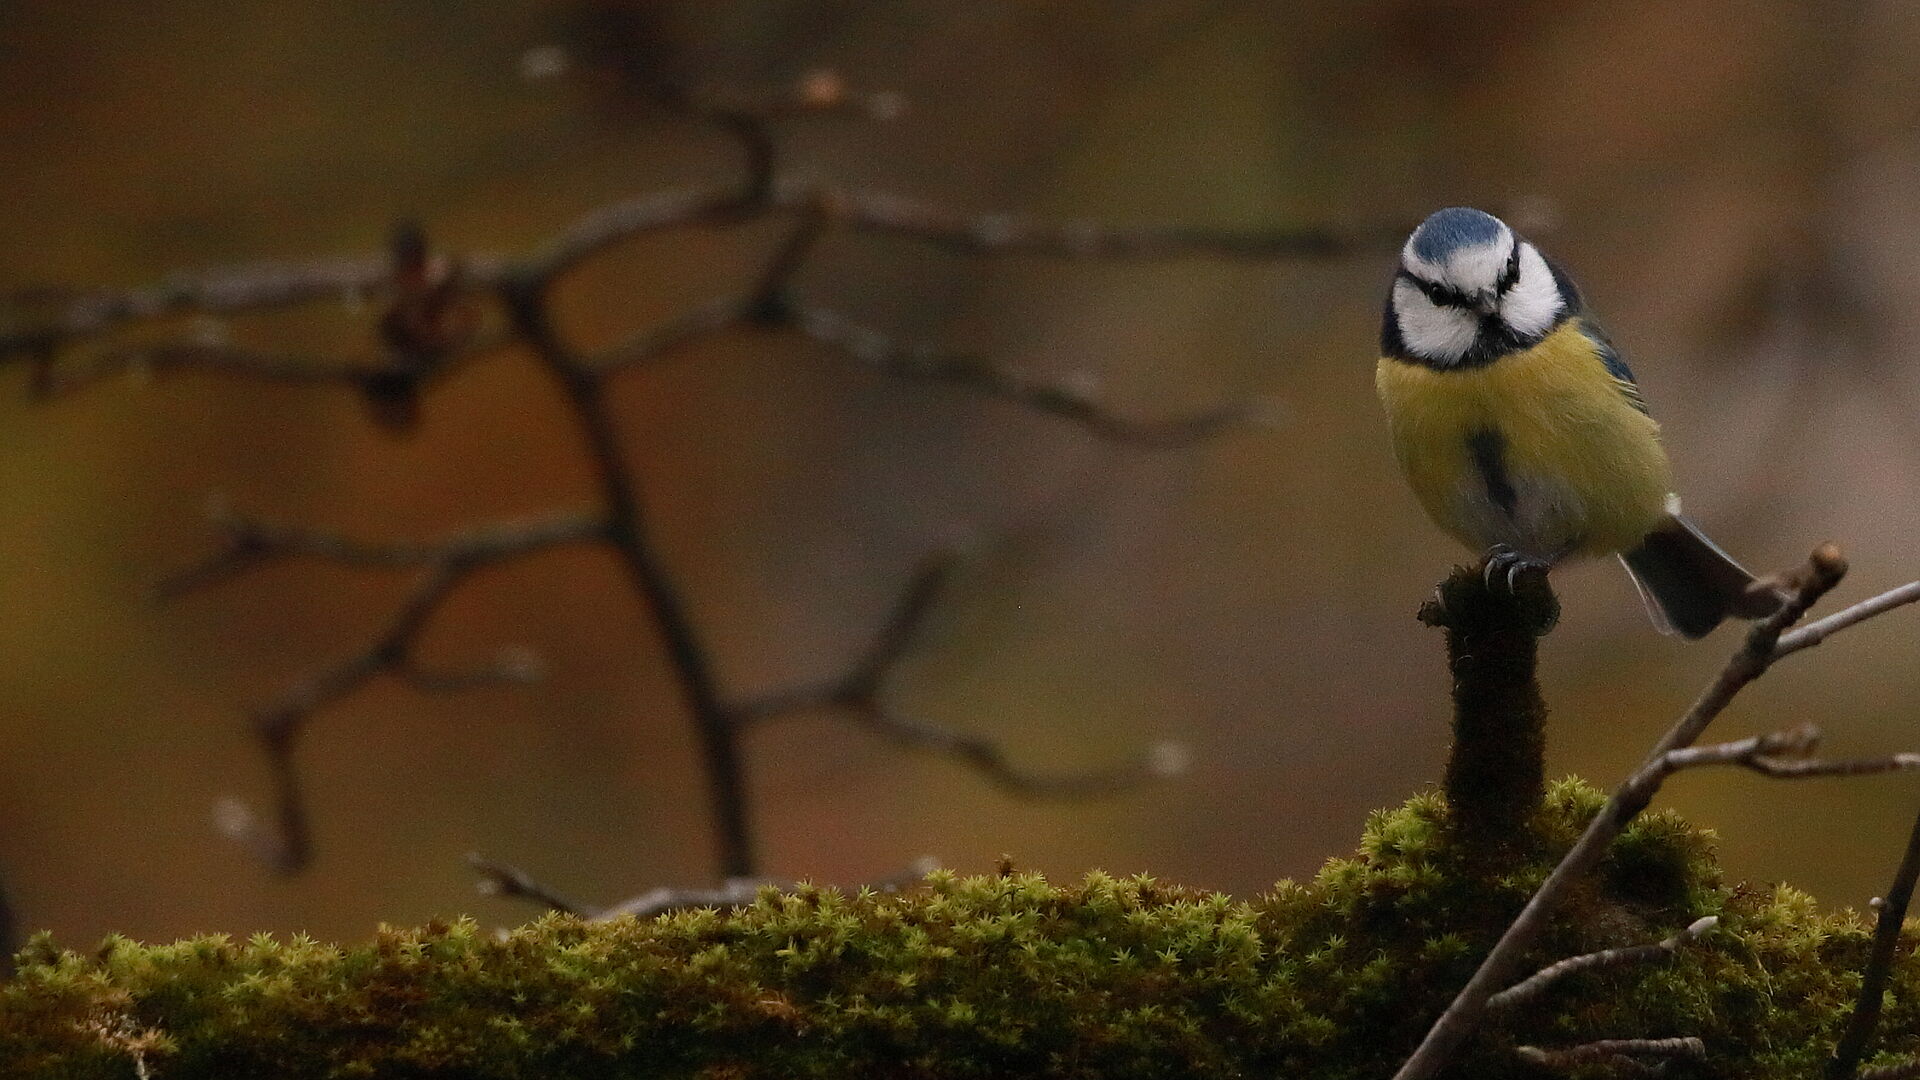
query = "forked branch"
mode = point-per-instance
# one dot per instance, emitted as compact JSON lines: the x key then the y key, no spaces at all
{"x":1799,"y":590}
{"x":436,"y":311}
{"x":860,"y":696}
{"x":282,"y":840}
{"x":1537,"y":984}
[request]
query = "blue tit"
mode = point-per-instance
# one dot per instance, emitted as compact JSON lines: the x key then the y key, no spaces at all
{"x":1521,"y":431}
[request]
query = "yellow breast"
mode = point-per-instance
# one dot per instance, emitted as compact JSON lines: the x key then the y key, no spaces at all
{"x":1586,"y":468}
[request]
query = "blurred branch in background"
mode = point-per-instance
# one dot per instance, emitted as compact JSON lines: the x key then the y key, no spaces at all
{"x":443,"y":566}
{"x":439,"y":311}
{"x":860,"y":695}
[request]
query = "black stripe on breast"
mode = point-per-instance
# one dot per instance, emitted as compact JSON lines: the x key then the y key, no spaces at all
{"x":1488,"y":450}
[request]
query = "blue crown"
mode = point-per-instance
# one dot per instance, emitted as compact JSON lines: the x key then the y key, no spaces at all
{"x":1447,"y":231}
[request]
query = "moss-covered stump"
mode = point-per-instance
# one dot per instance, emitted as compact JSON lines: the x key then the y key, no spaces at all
{"x":1496,"y":772}
{"x":988,"y":977}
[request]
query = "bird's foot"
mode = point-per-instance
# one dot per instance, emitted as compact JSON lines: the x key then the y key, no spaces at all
{"x":1505,"y":564}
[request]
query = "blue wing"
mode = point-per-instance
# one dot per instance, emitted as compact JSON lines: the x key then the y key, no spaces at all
{"x":1616,"y":367}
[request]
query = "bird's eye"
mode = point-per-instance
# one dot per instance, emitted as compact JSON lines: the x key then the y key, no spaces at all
{"x":1441,"y":295}
{"x":1510,"y":274}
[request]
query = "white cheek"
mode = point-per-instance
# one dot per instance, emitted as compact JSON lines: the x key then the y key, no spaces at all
{"x":1534,"y":301}
{"x":1438,"y":334}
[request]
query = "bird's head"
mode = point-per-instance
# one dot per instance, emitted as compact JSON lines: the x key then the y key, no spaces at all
{"x":1468,"y":283}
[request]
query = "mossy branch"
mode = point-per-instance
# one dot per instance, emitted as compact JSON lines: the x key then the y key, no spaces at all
{"x":1002,"y":975}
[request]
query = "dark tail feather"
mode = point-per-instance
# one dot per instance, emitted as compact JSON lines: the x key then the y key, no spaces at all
{"x":1689,"y":584}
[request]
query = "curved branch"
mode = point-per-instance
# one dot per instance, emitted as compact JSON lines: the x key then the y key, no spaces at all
{"x":230,"y":290}
{"x":1819,"y":630}
{"x":283,"y":839}
{"x":512,"y":883}
{"x":983,"y":755}
{"x":1538,"y":983}
{"x":250,"y":543}
{"x":859,"y":695}
{"x":991,"y":233}
{"x":660,"y":342}
{"x":921,"y":363}
{"x":610,"y":225}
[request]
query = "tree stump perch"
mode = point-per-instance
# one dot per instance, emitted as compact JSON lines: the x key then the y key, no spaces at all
{"x":1496,"y":770}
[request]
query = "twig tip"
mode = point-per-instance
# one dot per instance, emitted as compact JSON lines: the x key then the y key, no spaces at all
{"x":1829,"y":562}
{"x":1168,"y":759}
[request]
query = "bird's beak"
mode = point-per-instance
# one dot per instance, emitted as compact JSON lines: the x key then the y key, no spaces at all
{"x":1486,"y":302}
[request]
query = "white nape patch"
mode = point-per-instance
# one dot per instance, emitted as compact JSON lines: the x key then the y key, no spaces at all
{"x":1439,"y":335}
{"x":1533,"y":302}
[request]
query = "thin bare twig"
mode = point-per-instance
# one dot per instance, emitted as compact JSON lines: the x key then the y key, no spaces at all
{"x":230,"y":290}
{"x":740,"y":891}
{"x":868,"y":675}
{"x":610,"y":225}
{"x":1806,"y":637}
{"x":919,"y":363}
{"x":1800,"y":590}
{"x":250,"y":543}
{"x":1161,"y":760}
{"x":1610,"y":1049}
{"x":216,"y":358}
{"x":503,"y":880}
{"x":663,"y":341}
{"x":1537,"y":984}
{"x":1854,"y":1043}
{"x":859,"y":694}
{"x":283,"y":839}
{"x":1780,"y":754}
{"x":512,"y":883}
{"x":986,"y":233}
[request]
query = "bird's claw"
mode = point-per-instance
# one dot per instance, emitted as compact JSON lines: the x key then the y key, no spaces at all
{"x":1503,"y":561}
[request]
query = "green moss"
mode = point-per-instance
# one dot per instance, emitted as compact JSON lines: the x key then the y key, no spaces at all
{"x":988,"y":977}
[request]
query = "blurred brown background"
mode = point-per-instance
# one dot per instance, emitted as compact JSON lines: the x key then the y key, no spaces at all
{"x":1734,"y":181}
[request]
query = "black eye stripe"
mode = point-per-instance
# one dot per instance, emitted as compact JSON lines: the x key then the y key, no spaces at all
{"x":1439,"y":294}
{"x":1511,"y":273}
